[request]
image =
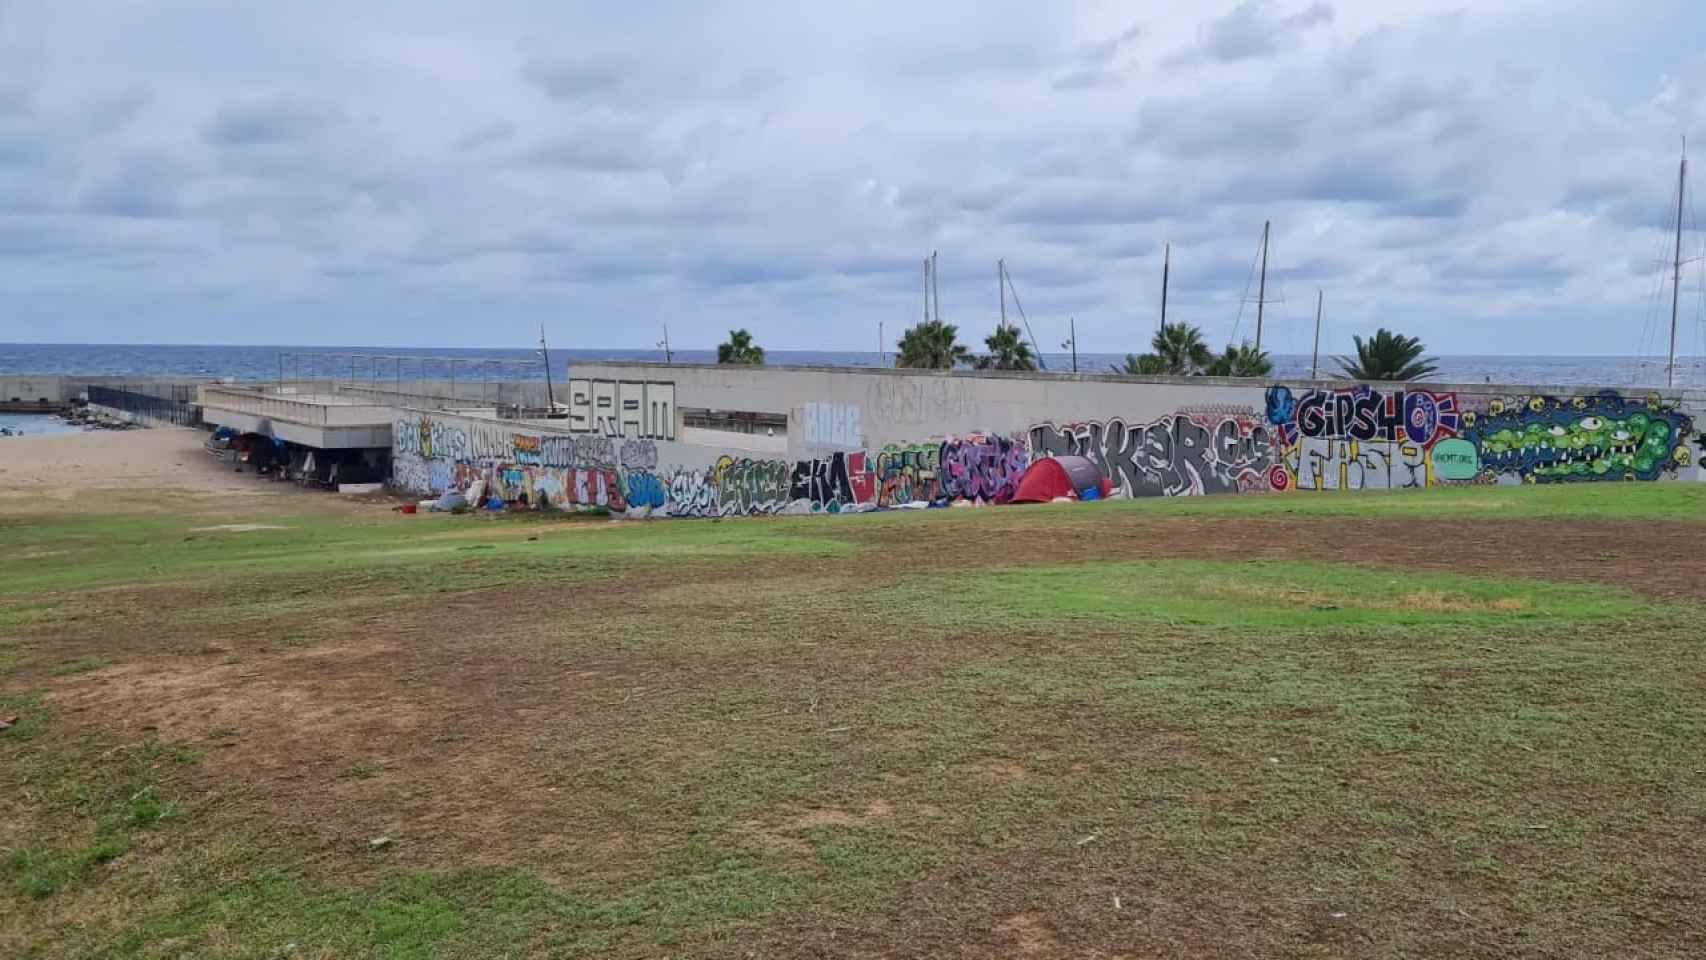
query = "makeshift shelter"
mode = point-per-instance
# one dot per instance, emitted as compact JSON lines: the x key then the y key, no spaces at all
{"x":1065,"y":476}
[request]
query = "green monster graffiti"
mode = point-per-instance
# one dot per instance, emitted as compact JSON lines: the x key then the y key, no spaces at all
{"x":1601,"y":437}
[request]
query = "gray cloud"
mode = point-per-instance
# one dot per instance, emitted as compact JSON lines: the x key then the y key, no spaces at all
{"x":1099,"y":64}
{"x":497,"y":131}
{"x":269,"y":120}
{"x":14,"y":100}
{"x":143,"y":187}
{"x":565,"y":78}
{"x":1250,"y":30}
{"x":785,"y":169}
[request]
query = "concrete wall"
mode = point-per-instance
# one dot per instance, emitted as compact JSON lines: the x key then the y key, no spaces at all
{"x":866,"y":439}
{"x":30,"y":389}
{"x":140,"y":419}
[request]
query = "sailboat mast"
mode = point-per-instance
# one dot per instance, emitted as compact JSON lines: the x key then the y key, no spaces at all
{"x":926,"y":289}
{"x":545,"y":354}
{"x":1001,"y":285}
{"x":1262,"y":290}
{"x":1315,"y":358}
{"x":935,"y":286}
{"x":1676,"y":277}
{"x":1166,"y":265}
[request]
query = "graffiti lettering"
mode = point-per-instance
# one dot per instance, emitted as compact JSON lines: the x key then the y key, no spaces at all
{"x":907,"y":474}
{"x":645,"y":491}
{"x":917,"y":400}
{"x":834,"y":482}
{"x":983,"y":468}
{"x":832,"y":425}
{"x":1173,"y":456}
{"x":636,"y":454}
{"x":1360,"y":438}
{"x":746,"y":487}
{"x":631,"y":409}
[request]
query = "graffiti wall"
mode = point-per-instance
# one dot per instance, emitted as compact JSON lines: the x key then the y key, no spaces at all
{"x":1182,"y":454}
{"x":1602,"y":437}
{"x":1361,"y":438}
{"x":434,"y":455}
{"x":1297,"y":440}
{"x":637,"y":410}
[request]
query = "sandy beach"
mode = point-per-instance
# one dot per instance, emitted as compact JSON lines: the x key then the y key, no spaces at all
{"x":154,"y":465}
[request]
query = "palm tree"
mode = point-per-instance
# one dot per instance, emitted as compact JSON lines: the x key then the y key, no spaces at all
{"x":1243,"y":360}
{"x":1007,"y":351}
{"x":1388,"y":356}
{"x":740,"y":349}
{"x":1142,"y":365}
{"x":1177,"y":350}
{"x":932,"y":345}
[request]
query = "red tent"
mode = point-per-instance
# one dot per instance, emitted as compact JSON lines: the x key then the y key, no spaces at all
{"x":1065,"y":476}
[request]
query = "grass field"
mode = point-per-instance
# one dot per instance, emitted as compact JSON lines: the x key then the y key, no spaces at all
{"x":1462,"y":723}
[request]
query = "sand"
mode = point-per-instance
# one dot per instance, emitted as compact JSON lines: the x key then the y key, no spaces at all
{"x":146,"y":464}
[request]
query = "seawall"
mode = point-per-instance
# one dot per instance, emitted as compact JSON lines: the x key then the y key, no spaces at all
{"x":836,"y":439}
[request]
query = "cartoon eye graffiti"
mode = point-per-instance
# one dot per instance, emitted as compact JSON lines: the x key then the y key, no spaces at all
{"x":1682,"y":457}
{"x":1469,"y":419}
{"x":1590,"y":424}
{"x":1537,"y":404}
{"x":1621,"y":436}
{"x":1496,"y":407}
{"x":1557,"y":431}
{"x":1581,"y":403}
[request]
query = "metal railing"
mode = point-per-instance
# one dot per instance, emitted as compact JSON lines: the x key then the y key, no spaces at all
{"x":168,"y":403}
{"x":319,"y":411}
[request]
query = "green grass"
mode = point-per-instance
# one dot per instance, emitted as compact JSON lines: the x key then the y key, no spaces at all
{"x":107,"y":797}
{"x":1271,"y":596}
{"x":1611,"y":501}
{"x":92,"y":551}
{"x":795,"y":738}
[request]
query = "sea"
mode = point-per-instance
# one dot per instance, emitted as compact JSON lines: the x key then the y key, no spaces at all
{"x":300,"y":362}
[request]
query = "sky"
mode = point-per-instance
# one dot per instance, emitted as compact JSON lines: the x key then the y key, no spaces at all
{"x":1496,"y":178}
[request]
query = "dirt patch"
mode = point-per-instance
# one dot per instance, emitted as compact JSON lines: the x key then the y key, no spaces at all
{"x":1028,"y":934}
{"x":787,"y":835}
{"x":836,"y":817}
{"x":1001,"y":770}
{"x":1436,"y":601}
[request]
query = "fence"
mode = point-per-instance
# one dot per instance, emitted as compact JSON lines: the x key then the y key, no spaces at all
{"x":162,"y":403}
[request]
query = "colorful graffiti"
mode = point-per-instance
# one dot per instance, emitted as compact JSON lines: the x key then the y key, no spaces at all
{"x":747,"y":487}
{"x":1360,"y":438}
{"x":982,"y":468}
{"x":909,"y":474}
{"x":1178,"y":455}
{"x":1604,"y":436}
{"x":1355,"y":438}
{"x":434,"y":456}
{"x":834,"y":483}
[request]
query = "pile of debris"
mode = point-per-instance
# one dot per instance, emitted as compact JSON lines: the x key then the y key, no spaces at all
{"x":88,"y":419}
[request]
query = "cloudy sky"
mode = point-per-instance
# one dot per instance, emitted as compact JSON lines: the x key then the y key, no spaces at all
{"x":1494,"y":177}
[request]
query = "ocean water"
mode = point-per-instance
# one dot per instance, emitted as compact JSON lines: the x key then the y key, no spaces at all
{"x":267,"y":363}
{"x":34,"y":425}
